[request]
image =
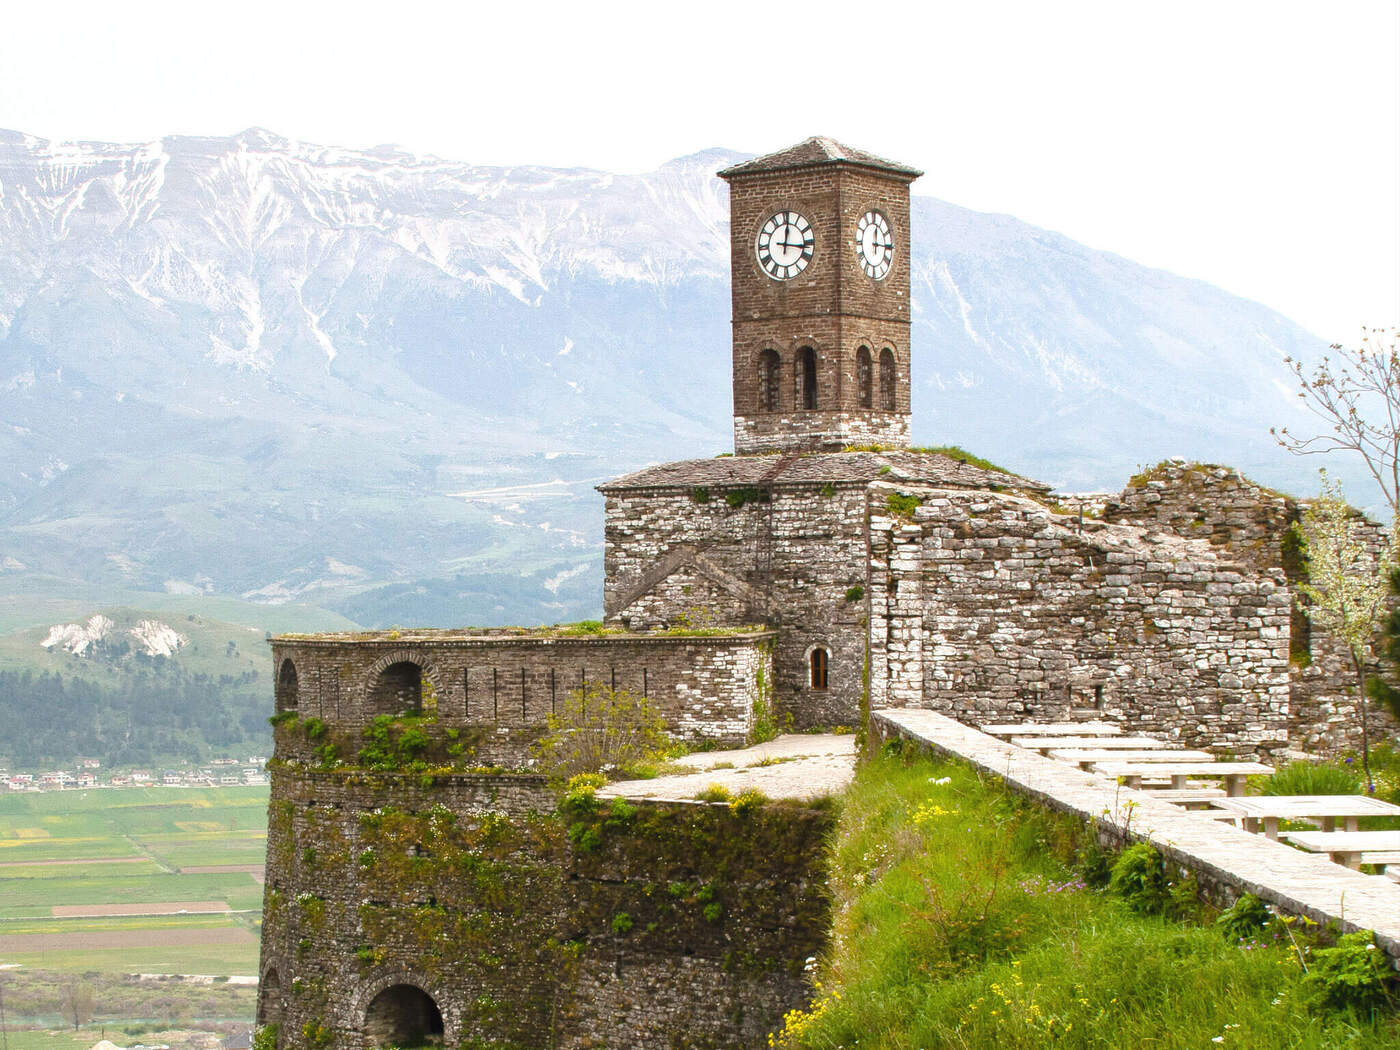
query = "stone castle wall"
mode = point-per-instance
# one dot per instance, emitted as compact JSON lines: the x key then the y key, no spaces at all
{"x":1250,"y":523}
{"x":705,"y":687}
{"x":655,"y":925}
{"x":794,"y":557}
{"x":987,"y":605}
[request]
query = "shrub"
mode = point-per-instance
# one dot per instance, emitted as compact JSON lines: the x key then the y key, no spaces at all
{"x":1313,"y":778}
{"x":902,"y":505}
{"x":1140,"y":878}
{"x":621,"y":922}
{"x":736,"y":498}
{"x":855,"y":594}
{"x":747,"y":801}
{"x":600,"y":729}
{"x":1355,"y":974}
{"x":714,"y":793}
{"x":265,"y":1038}
{"x":1244,"y":919}
{"x":393,"y":744}
{"x":580,"y":793}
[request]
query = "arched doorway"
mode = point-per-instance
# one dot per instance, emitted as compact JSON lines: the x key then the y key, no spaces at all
{"x":285,"y":692}
{"x":398,"y":690}
{"x":270,"y":998}
{"x":403,"y":1016}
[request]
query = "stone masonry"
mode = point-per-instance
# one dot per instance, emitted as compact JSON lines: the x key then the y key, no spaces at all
{"x":1254,"y":525}
{"x":705,"y":687}
{"x":988,"y":605}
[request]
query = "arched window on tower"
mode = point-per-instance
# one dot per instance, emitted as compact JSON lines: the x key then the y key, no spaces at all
{"x":806,"y":375}
{"x":770,"y":375}
{"x":818,"y":661}
{"x":888,"y":380}
{"x":864,"y":378}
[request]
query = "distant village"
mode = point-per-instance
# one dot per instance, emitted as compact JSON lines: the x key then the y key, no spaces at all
{"x":220,"y":772}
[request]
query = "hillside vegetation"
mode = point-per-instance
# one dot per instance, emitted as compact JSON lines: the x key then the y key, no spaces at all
{"x":965,"y":919}
{"x":153,"y":687}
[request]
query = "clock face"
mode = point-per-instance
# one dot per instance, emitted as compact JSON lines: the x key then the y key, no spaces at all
{"x":784,"y":245}
{"x":874,"y":244}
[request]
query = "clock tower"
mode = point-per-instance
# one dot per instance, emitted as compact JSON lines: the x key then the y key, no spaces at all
{"x":819,"y":271}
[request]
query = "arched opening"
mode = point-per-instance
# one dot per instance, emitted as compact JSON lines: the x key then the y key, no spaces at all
{"x":818,"y":661}
{"x":403,"y":1016}
{"x":398,"y":690}
{"x":806,"y":373}
{"x":285,"y":692}
{"x":770,"y":377}
{"x":888,"y":380}
{"x":270,"y":999}
{"x":864,"y":377}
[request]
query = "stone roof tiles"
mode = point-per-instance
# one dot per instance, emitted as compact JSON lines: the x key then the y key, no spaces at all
{"x":814,"y":152}
{"x":821,"y":468}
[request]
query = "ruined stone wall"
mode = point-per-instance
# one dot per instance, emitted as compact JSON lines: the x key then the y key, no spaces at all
{"x":795,"y":556}
{"x":649,"y":925}
{"x":986,"y":605}
{"x":1252,"y":524}
{"x":705,"y":687}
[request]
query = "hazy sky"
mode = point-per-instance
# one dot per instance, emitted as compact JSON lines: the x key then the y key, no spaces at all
{"x":1255,"y":145}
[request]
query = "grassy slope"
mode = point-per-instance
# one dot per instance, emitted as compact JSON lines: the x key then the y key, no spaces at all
{"x":960,"y":925}
{"x":174,"y":828}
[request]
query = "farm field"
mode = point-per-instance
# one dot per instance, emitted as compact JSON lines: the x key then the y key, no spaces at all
{"x":153,"y":880}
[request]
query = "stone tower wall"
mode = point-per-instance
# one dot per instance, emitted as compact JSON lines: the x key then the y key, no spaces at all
{"x":832,"y":307}
{"x":660,"y":926}
{"x":988,"y":606}
{"x":798,"y":554}
{"x":1250,"y":523}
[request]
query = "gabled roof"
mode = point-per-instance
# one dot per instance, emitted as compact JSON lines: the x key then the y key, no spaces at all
{"x":815,"y":152}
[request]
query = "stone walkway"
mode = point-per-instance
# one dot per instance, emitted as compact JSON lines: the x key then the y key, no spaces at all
{"x":800,"y":766}
{"x":1296,"y":883}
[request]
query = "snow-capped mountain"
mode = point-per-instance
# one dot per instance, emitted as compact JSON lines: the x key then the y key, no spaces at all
{"x":386,"y":383}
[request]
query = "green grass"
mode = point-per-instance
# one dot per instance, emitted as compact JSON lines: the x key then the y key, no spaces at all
{"x":961,"y":923}
{"x":217,"y":959}
{"x":177,"y":828}
{"x":55,"y":1039}
{"x":963,"y":456}
{"x":28,"y":898}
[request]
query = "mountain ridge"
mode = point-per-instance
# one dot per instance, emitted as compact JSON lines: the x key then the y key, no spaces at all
{"x":232,"y":363}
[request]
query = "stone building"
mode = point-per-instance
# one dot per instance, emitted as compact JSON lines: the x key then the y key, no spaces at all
{"x":421,"y":883}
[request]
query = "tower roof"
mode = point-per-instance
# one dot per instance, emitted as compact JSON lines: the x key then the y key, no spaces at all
{"x":816,"y":152}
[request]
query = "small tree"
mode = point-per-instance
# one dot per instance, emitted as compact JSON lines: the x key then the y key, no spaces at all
{"x":77,"y":1001}
{"x":1356,"y":394}
{"x":601,"y":730}
{"x":1346,"y":588}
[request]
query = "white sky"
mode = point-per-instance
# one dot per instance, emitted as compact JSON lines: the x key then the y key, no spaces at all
{"x":1251,"y":143}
